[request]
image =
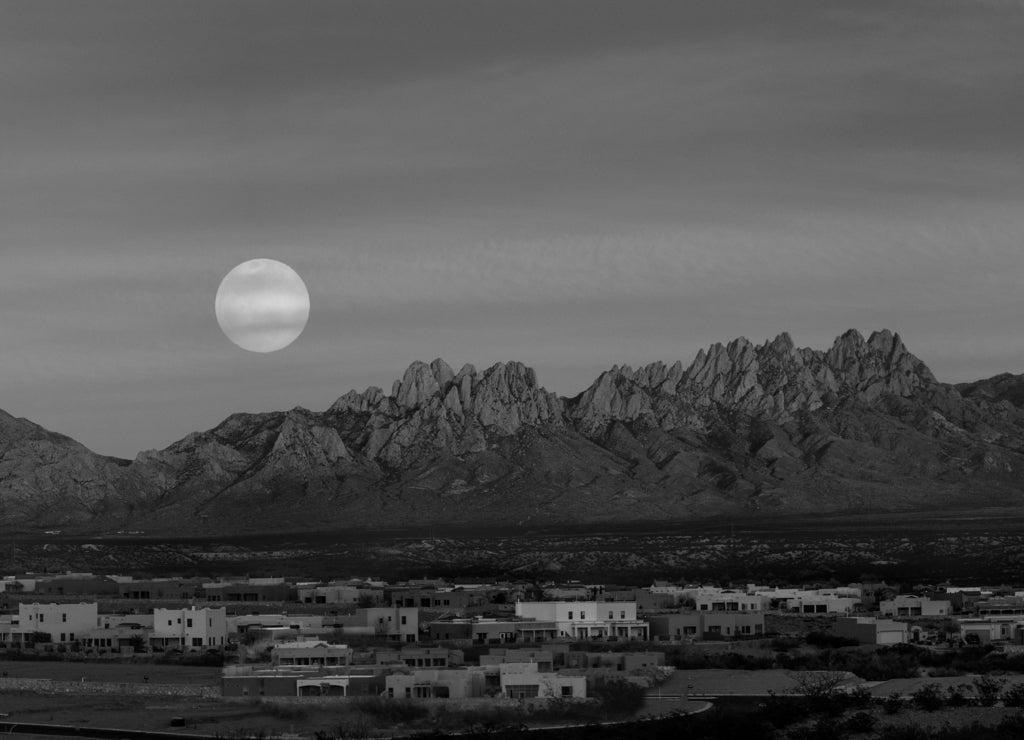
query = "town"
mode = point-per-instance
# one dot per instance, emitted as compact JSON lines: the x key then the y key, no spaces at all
{"x":406,"y":652}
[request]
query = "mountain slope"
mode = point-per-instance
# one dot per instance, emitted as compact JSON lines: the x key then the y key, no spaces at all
{"x":771,"y":429}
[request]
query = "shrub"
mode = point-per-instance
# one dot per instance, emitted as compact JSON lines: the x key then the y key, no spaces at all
{"x":928,"y":697}
{"x":893,"y":703}
{"x":1013,"y":724}
{"x":860,"y":697}
{"x":782,"y":644}
{"x":390,"y":710}
{"x":826,"y":640}
{"x":783,"y":711}
{"x":289,"y":712}
{"x":348,"y":731}
{"x":988,"y":689}
{"x":823,"y":729}
{"x":956,"y":696}
{"x":904,"y":732}
{"x":1014,"y":696}
{"x":617,"y":696}
{"x":861,"y":722}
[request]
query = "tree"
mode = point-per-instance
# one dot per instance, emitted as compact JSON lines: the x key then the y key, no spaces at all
{"x":988,"y":689}
{"x":819,"y":688}
{"x":618,"y":696}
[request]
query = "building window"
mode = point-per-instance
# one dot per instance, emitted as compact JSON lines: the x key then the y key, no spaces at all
{"x":622,"y":615}
{"x":567,"y":691}
{"x":64,"y":617}
{"x":188,"y":622}
{"x":611,"y":615}
{"x":583,"y":615}
{"x":403,"y":620}
{"x":570,"y":615}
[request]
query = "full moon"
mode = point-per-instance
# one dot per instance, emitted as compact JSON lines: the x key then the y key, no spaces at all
{"x":262,"y":305}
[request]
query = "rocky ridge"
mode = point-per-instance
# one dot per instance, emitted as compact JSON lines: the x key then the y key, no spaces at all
{"x":767,"y":428}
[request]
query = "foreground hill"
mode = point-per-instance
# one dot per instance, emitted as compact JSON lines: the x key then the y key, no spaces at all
{"x":764,"y":430}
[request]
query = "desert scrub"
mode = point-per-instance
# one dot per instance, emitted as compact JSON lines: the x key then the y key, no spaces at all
{"x":987,"y":689}
{"x":929,"y":697}
{"x":391,"y":710}
{"x":1014,"y":696}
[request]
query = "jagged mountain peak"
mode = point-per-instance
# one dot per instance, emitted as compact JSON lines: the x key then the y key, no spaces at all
{"x":775,"y":379}
{"x":743,"y":426}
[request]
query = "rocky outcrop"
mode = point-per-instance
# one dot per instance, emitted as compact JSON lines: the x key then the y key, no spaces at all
{"x":771,"y":428}
{"x":775,"y":379}
{"x":47,"y":479}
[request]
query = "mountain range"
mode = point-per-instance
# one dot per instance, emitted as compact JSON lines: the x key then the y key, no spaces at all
{"x":744,"y":430}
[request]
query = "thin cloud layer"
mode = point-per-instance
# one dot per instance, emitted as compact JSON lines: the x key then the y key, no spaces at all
{"x":569,"y":183}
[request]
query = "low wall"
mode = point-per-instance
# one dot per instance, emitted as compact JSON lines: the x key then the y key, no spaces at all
{"x":49,"y":686}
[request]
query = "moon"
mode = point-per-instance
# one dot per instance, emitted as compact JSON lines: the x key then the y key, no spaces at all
{"x":262,"y":305}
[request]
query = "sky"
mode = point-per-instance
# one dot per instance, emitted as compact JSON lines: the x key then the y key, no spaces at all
{"x":567,"y":183}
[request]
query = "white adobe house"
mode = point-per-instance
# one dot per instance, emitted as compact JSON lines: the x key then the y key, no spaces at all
{"x":436,"y":683}
{"x":524,"y":681}
{"x":872,"y":631}
{"x":310,"y":653}
{"x":190,"y":629}
{"x":63,"y":622}
{"x":583,"y":620}
{"x":907,"y":605}
{"x":728,"y":601}
{"x":393,"y":623}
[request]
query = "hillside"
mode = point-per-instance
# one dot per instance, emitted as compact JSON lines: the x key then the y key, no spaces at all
{"x":763,"y":430}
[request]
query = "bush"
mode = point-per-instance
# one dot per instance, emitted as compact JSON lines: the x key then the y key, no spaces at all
{"x":288,"y":712}
{"x":348,"y":731}
{"x":956,"y":696}
{"x":783,"y":711}
{"x":860,"y":697}
{"x":1014,"y":696}
{"x":617,"y":696}
{"x":904,"y":732}
{"x":988,"y":689}
{"x":390,"y":710}
{"x":783,"y":644}
{"x":826,"y":640}
{"x":928,"y":697}
{"x":823,"y":729}
{"x":893,"y":703}
{"x":861,"y":722}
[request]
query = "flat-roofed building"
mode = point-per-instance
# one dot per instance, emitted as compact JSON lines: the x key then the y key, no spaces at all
{"x":436,"y":683}
{"x":310,"y":653}
{"x":62,"y":622}
{"x":524,"y":681}
{"x":706,"y":625}
{"x":391,"y":623}
{"x":872,"y":631}
{"x":190,"y":629}
{"x":908,"y":605}
{"x":583,"y":620}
